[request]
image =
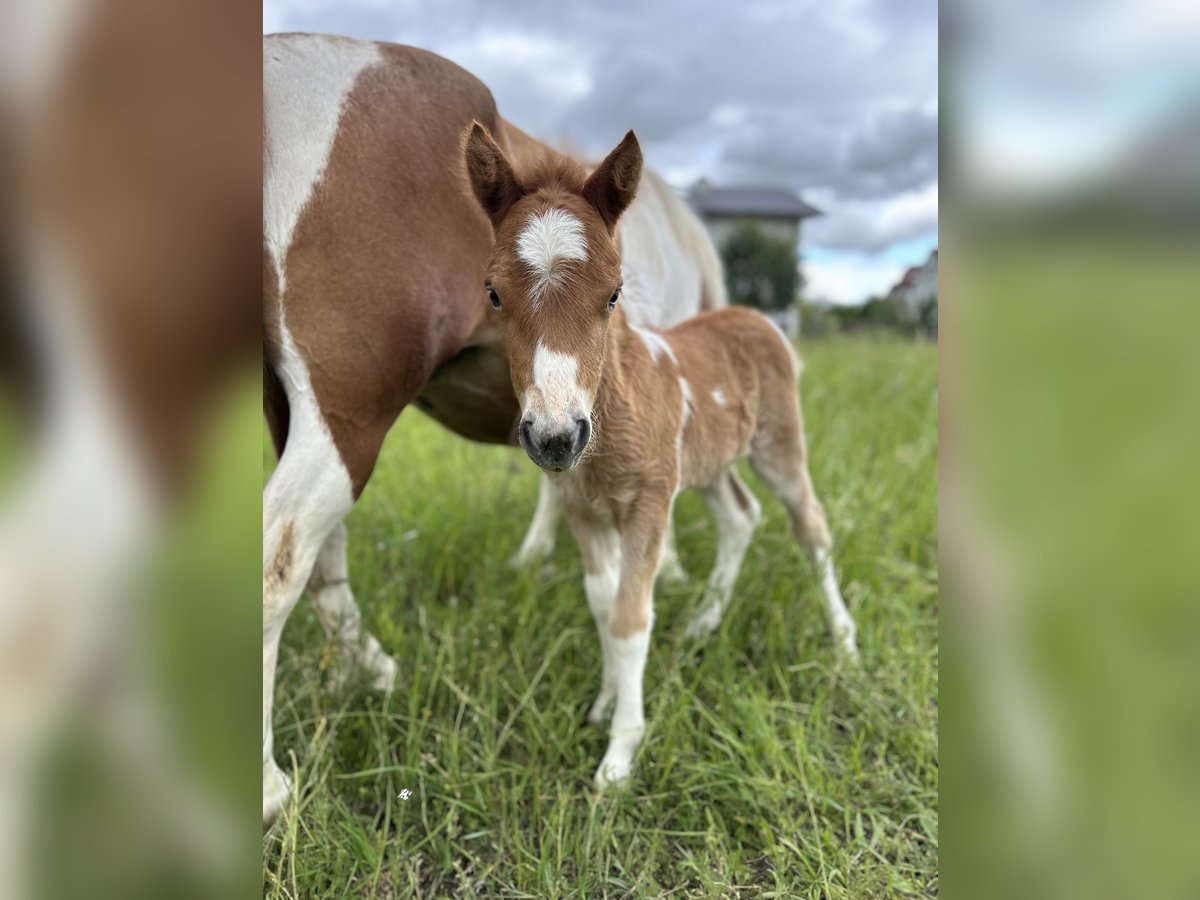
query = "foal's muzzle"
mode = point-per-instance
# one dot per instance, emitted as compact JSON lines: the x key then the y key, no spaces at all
{"x":555,"y":448}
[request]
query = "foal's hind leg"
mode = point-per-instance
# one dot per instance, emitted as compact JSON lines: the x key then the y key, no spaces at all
{"x":539,"y":540}
{"x":736,"y":512}
{"x":340,"y":616}
{"x":671,"y":570}
{"x":778,"y":457}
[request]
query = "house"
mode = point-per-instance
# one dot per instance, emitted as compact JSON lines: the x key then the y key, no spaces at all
{"x":777,"y":211}
{"x":916,"y":289}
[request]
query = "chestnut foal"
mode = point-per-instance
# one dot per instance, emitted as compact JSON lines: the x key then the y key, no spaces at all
{"x":624,"y":417}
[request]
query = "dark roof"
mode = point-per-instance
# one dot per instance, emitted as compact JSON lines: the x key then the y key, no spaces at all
{"x":744,"y":201}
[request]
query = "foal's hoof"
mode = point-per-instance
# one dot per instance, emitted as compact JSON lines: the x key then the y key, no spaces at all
{"x":528,"y":557}
{"x":599,"y":711}
{"x":277,"y":788}
{"x":383,"y":674}
{"x":703,"y":624}
{"x":611,"y":776}
{"x":848,"y":645}
{"x":378,"y":672}
{"x":672,"y":573}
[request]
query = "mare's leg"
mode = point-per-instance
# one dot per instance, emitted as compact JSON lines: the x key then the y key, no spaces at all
{"x":308,"y":494}
{"x":779,"y":458}
{"x":629,"y":631}
{"x":736,"y":512}
{"x":600,"y":545}
{"x":340,"y":616}
{"x":539,"y":540}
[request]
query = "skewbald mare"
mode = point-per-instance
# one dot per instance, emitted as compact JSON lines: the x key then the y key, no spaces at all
{"x":374,"y":250}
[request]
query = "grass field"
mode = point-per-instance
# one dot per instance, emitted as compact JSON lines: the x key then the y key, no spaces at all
{"x":768,"y":768}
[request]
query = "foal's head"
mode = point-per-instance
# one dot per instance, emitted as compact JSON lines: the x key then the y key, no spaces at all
{"x":554,"y":278}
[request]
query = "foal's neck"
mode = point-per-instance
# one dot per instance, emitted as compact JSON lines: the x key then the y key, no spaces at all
{"x":620,"y":353}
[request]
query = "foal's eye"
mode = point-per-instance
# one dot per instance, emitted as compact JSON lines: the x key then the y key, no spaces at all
{"x":612,"y":301}
{"x":495,"y":298}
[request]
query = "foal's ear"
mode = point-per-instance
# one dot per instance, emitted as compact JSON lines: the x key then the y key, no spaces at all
{"x":611,"y":188}
{"x":492,"y":178}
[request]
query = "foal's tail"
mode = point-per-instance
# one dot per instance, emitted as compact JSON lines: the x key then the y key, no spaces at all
{"x":693,"y":237}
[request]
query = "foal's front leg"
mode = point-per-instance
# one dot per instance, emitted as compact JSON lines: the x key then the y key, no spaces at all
{"x":629,"y":633}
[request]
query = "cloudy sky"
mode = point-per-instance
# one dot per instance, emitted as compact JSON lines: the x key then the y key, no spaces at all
{"x":837,"y":100}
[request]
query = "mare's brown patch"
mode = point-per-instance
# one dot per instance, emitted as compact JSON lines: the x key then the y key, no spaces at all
{"x":281,"y":565}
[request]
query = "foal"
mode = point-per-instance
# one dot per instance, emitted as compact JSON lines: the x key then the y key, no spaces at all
{"x":624,"y":418}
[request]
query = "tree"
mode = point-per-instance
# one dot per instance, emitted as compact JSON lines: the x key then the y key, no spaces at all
{"x":760,"y":270}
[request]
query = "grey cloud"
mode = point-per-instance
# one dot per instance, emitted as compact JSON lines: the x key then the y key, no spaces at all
{"x":828,"y":97}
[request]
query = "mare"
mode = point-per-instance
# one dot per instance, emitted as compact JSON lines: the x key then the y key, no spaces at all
{"x":374,"y":251}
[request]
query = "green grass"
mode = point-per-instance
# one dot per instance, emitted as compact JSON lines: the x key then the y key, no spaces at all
{"x":768,"y":768}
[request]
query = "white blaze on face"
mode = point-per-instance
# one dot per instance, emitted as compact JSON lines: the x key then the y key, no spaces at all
{"x":546,"y":239}
{"x":555,"y":400}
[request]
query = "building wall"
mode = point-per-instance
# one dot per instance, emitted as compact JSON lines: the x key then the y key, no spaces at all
{"x":924,"y":286}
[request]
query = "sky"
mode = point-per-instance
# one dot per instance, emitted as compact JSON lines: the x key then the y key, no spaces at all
{"x":1064,"y":103}
{"x":837,"y":101}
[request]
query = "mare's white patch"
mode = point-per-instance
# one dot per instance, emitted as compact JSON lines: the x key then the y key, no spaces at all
{"x":686,"y":390}
{"x":655,"y":343}
{"x":546,"y":239}
{"x":668,"y":261}
{"x":718,"y":396}
{"x":306,"y":79}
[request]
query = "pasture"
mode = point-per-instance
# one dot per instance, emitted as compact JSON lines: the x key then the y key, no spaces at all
{"x":769,"y":768}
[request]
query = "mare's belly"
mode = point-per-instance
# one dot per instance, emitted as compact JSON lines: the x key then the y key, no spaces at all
{"x":472,"y":396}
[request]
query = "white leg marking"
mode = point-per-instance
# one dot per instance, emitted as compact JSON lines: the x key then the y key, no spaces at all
{"x":341,"y":618}
{"x":306,"y":79}
{"x":844,"y":630}
{"x":308,"y":494}
{"x":629,"y":720}
{"x":539,"y":540}
{"x":74,"y":530}
{"x":735,"y":527}
{"x":601,"y":591}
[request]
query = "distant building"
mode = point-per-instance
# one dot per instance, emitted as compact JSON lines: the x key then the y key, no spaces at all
{"x":916,"y":288}
{"x":777,"y":211}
